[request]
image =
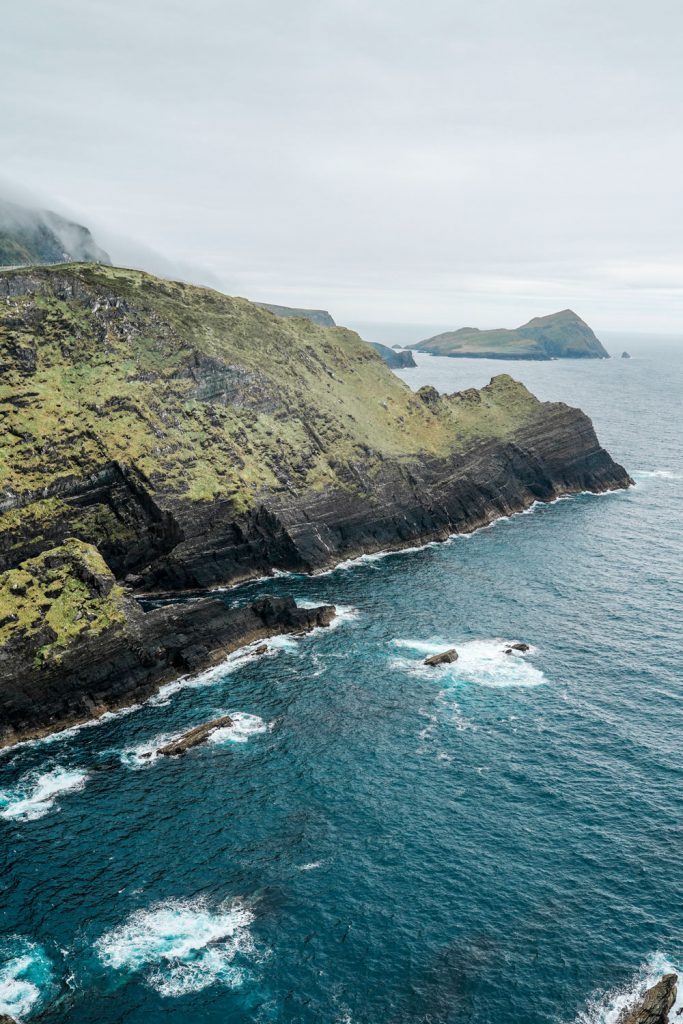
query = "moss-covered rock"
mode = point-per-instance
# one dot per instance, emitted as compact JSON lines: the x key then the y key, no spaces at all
{"x":49,"y":601}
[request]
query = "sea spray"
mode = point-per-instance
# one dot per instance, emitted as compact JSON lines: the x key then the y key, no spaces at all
{"x":481,"y":662}
{"x":37,"y":793}
{"x":182,"y":946}
{"x":243,"y":727}
{"x":608,"y":1007}
{"x":26,"y":977}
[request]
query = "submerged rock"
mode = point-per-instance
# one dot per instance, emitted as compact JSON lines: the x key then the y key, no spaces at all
{"x":445,"y":658}
{"x":193,"y":738}
{"x":654,"y":1007}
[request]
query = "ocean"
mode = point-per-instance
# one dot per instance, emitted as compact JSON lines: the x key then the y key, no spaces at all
{"x":496,"y":841}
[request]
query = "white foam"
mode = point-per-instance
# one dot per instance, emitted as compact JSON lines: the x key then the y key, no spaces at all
{"x":344,"y":613}
{"x":36,"y":794}
{"x":483,"y":662}
{"x":243,"y":727}
{"x":238,"y":659}
{"x":311,"y":866}
{"x":145,"y":754}
{"x":607,"y":1008}
{"x":181,"y":946}
{"x":25,"y":977}
{"x":655,"y":474}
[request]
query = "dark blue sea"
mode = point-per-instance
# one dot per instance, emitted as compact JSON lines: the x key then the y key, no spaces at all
{"x":496,"y":841}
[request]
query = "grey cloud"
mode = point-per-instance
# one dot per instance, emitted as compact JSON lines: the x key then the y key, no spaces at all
{"x":431,"y":163}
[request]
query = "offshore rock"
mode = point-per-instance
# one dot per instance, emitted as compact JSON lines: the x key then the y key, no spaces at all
{"x":74,"y":643}
{"x":655,"y":1005}
{"x":562,"y":335}
{"x":625,"y":355}
{"x":194,"y":737}
{"x":445,"y":658}
{"x":522,"y":648}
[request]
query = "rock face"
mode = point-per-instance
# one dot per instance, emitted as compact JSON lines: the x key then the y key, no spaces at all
{"x":168,"y":438}
{"x":30,"y":236}
{"x":74,"y":643}
{"x":316,"y":316}
{"x":445,"y":658}
{"x":196,"y":439}
{"x":194,"y":737}
{"x":655,"y":1005}
{"x":561,"y":335}
{"x":396,"y":360}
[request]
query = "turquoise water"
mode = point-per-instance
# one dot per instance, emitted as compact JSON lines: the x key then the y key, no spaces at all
{"x":497,"y":840}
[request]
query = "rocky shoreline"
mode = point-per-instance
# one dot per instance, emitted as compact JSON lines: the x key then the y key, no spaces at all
{"x":123,"y":655}
{"x":159,"y":438}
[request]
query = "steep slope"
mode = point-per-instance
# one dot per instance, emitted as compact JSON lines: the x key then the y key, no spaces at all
{"x":29,"y":236}
{"x":561,"y":335}
{"x":196,"y":439}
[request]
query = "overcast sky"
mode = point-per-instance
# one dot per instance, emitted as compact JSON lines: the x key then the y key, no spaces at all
{"x":433,"y":162}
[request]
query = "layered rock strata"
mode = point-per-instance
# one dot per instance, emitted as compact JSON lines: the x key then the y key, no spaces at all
{"x":74,"y":643}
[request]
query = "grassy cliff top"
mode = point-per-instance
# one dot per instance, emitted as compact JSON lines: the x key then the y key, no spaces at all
{"x":204,"y":395}
{"x":61,"y":594}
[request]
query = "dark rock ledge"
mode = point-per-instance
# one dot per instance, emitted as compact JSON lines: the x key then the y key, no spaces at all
{"x":75,"y":644}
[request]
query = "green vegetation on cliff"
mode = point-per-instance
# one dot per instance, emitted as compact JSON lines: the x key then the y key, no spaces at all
{"x":561,"y":335}
{"x":206,"y":396}
{"x":61,"y":594}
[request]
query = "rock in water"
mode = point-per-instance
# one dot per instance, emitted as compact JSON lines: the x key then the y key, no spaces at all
{"x":445,"y":658}
{"x":194,"y":737}
{"x":520,"y":647}
{"x":654,"y":1007}
{"x":625,"y":355}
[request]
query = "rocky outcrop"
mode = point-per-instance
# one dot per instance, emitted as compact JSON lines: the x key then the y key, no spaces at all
{"x":655,"y":1005}
{"x":625,"y":355}
{"x":521,"y":648}
{"x":444,"y":658}
{"x":193,"y":737}
{"x":316,"y":316}
{"x":561,"y":335}
{"x":74,"y":643}
{"x":396,"y":360}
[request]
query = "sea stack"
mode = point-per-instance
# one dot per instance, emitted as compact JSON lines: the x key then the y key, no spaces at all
{"x":625,"y":355}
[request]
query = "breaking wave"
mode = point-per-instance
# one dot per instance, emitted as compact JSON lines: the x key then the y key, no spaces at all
{"x":182,"y":946}
{"x":483,"y":662}
{"x":37,"y":794}
{"x":25,"y":977}
{"x":607,"y":1007}
{"x":654,"y":474}
{"x":243,"y":727}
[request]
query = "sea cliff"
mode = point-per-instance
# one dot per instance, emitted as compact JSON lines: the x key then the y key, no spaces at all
{"x":193,"y":440}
